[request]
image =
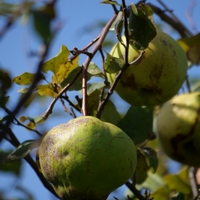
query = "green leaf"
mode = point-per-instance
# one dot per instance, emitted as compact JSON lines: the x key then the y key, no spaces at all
{"x":141,"y":168}
{"x":12,"y":167}
{"x":93,"y":70}
{"x":110,"y":2}
{"x":112,"y":64}
{"x":5,"y":80}
{"x":137,"y":123}
{"x":178,"y":196}
{"x":94,"y":86}
{"x":78,"y":83}
{"x":139,"y":26}
{"x":110,"y":113}
{"x":152,"y":159}
{"x":22,"y":150}
{"x":42,"y":18}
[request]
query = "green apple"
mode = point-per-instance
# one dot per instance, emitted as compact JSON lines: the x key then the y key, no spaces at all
{"x":87,"y":158}
{"x":178,"y":128}
{"x":156,"y":77}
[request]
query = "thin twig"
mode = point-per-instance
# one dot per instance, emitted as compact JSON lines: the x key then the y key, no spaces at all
{"x":177,"y":25}
{"x":193,"y":181}
{"x":15,"y":142}
{"x":88,"y":59}
{"x":118,"y":76}
{"x":50,"y":108}
{"x":135,"y":191}
{"x":18,"y":122}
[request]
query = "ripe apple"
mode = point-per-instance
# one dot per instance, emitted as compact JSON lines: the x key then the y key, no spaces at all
{"x":156,"y":77}
{"x":178,"y":128}
{"x":87,"y":158}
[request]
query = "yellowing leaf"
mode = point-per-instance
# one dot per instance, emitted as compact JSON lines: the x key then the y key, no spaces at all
{"x":64,"y":70}
{"x":55,"y":63}
{"x":192,"y":47}
{"x":175,"y":183}
{"x":24,"y":79}
{"x":48,"y":90}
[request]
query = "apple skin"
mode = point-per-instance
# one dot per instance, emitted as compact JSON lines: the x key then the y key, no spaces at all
{"x":156,"y":77}
{"x":87,"y":158}
{"x":178,"y":128}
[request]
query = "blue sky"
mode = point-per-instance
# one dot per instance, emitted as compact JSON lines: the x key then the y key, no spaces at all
{"x":20,"y":39}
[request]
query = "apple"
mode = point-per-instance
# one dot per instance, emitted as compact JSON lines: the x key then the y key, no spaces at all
{"x":87,"y":158}
{"x":156,"y":77}
{"x":178,"y":128}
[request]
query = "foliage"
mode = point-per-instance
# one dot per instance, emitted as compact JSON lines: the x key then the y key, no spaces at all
{"x":93,"y":94}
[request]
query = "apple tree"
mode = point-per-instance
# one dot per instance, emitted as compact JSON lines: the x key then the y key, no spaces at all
{"x":100,"y":147}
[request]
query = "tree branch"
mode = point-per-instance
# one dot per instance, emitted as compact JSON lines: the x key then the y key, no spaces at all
{"x":88,"y":60}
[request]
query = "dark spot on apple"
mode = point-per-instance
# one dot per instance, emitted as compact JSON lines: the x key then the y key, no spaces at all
{"x":129,"y":82}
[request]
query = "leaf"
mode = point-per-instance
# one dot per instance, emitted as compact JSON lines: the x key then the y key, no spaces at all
{"x":48,"y":90}
{"x":23,"y":90}
{"x":162,"y":193}
{"x":35,"y":120}
{"x":141,"y":168}
{"x":117,"y":20}
{"x":191,"y":46}
{"x":5,"y":80}
{"x":110,"y":113}
{"x":13,"y":167}
{"x":137,"y":123}
{"x":78,"y":83}
{"x":93,"y":70}
{"x":112,"y":64}
{"x":139,"y":26}
{"x":174,"y":182}
{"x":25,"y":78}
{"x":94,"y":86}
{"x":152,"y":159}
{"x":110,"y":2}
{"x":22,"y":150}
{"x":54,"y":63}
{"x":42,"y":21}
{"x":64,"y":70}
{"x":178,"y":196}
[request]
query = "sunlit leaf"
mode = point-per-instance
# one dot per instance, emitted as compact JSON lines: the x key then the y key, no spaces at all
{"x":48,"y":90}
{"x":137,"y":123}
{"x":191,"y":46}
{"x":23,"y":90}
{"x":175,"y":183}
{"x":12,"y":167}
{"x":110,"y":2}
{"x":178,"y":196}
{"x":54,"y":63}
{"x":117,"y":20}
{"x":139,"y":26}
{"x":64,"y":70}
{"x":112,"y":64}
{"x":22,"y":150}
{"x":153,"y":182}
{"x":163,"y":193}
{"x":25,"y":78}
